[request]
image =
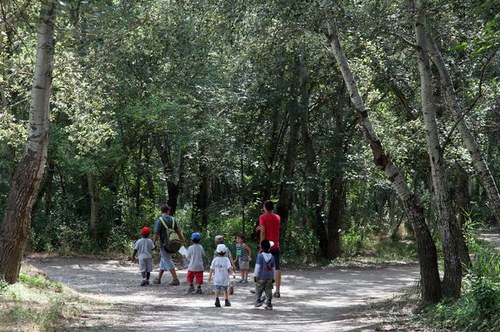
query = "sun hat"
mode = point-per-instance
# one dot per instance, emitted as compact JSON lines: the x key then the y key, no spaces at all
{"x":195,"y":236}
{"x":221,"y":248}
{"x":146,"y":231}
{"x":219,"y":238}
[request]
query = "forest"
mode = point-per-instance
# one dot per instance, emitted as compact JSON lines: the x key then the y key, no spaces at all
{"x":361,"y":120}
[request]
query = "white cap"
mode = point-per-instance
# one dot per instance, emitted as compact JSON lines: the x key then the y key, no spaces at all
{"x":221,"y":248}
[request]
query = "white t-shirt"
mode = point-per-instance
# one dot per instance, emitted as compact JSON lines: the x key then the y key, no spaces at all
{"x":221,"y":266}
{"x":196,"y":255}
{"x":144,"y":248}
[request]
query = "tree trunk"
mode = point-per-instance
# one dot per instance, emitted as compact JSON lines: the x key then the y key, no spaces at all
{"x":203,"y":196}
{"x":447,"y":223}
{"x":175,"y":182}
{"x":93,"y":189}
{"x":313,"y":196}
{"x":479,"y":163}
{"x":26,"y":181}
{"x":462,"y":206}
{"x":337,"y":185}
{"x":287,"y":181}
{"x":431,"y":285}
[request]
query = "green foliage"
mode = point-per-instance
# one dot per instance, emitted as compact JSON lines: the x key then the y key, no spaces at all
{"x":40,"y":282}
{"x":477,"y":309}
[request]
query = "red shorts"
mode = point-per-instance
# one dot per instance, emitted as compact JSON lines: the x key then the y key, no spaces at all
{"x":195,"y":274}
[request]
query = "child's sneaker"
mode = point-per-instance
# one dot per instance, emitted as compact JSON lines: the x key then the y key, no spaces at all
{"x":217,"y":302}
{"x":227,"y":303}
{"x":269,"y":306}
{"x":175,"y":282}
{"x":258,"y":304}
{"x":277,"y":295}
{"x":198,"y":291}
{"x":191,"y":289}
{"x":157,"y":281}
{"x":144,"y":282}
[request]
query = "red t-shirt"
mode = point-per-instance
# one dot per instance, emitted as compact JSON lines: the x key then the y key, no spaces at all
{"x":272,"y":224}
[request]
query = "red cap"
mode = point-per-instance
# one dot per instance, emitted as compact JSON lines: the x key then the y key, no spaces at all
{"x":145,"y":231}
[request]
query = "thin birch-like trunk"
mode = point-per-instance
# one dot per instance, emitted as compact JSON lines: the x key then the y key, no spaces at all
{"x":26,"y":182}
{"x":431,"y":285}
{"x":479,"y":163}
{"x":447,"y":223}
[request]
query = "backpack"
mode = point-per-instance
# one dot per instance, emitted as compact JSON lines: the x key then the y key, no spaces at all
{"x":172,"y":243}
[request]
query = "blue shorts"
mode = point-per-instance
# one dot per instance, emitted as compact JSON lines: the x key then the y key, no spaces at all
{"x":220,"y":288}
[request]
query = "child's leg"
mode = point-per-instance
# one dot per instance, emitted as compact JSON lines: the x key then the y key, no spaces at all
{"x":268,"y":284}
{"x":199,"y":278}
{"x":149,"y":268}
{"x":226,"y":294}
{"x":258,"y":291}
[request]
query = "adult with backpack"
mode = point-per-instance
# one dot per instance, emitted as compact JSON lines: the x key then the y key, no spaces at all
{"x":171,"y":238}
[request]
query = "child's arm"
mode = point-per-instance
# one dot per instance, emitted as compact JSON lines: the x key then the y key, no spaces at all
{"x":210,"y":275}
{"x":232,"y":262}
{"x":256,"y":270}
{"x":247,"y":248}
{"x":132,"y":258}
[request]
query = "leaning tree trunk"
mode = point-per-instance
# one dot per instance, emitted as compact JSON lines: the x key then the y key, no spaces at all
{"x":470,"y":143}
{"x":26,"y":181}
{"x":447,"y":222}
{"x":431,"y":285}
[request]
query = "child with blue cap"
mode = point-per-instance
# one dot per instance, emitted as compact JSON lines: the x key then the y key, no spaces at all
{"x":196,"y":256}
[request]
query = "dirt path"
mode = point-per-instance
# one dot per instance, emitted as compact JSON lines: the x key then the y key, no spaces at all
{"x":316,"y":300}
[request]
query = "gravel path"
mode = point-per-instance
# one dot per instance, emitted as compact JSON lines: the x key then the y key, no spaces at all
{"x":313,"y":299}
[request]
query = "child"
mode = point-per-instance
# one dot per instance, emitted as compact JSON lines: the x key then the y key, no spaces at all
{"x":221,"y":265}
{"x":196,"y":256}
{"x":244,"y":256}
{"x":264,"y":275}
{"x":219,"y":239}
{"x":144,"y":249}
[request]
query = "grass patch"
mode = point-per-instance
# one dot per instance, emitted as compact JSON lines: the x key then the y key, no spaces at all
{"x":35,"y":303}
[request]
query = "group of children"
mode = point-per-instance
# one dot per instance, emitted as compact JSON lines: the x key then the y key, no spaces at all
{"x":221,"y":266}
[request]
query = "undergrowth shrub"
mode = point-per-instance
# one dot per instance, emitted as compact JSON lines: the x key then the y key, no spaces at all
{"x":478,"y":308}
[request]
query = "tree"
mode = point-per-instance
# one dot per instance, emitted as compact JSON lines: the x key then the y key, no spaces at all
{"x":450,"y":232}
{"x":27,"y":179}
{"x":470,"y":143}
{"x":431,"y":285}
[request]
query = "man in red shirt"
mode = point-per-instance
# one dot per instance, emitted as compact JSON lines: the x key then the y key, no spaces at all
{"x":269,"y":226}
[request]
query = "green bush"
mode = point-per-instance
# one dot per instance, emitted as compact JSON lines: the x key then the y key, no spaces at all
{"x":478,"y":308}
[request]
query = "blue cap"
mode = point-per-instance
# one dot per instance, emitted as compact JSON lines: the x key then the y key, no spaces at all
{"x":195,"y":236}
